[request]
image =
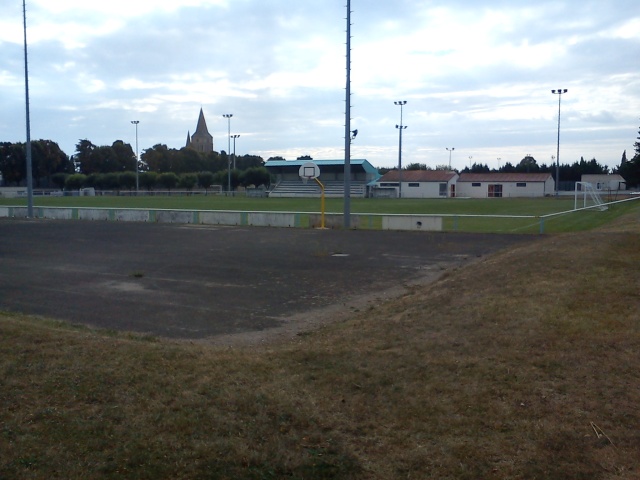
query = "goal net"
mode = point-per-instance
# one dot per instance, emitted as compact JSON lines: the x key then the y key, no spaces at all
{"x":587,"y":197}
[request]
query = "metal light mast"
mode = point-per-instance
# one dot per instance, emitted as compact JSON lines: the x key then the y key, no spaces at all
{"x":558,"y":92}
{"x":28,"y":118}
{"x":347,"y":128}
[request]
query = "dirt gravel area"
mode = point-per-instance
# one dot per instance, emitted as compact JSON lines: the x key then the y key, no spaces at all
{"x":224,"y":284}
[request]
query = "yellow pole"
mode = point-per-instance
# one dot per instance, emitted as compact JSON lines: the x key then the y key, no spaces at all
{"x":321,"y":202}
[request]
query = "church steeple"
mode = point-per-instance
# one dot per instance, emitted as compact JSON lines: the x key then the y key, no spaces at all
{"x":201,"y":140}
{"x":202,"y":124}
{"x":188,"y":144}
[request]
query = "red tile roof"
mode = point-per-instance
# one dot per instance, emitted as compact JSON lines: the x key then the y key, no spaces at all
{"x":418,"y":176}
{"x":504,"y":177}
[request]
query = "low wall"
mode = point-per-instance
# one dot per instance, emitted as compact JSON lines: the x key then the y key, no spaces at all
{"x":359,"y":221}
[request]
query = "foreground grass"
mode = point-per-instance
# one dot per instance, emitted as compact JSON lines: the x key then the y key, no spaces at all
{"x":523,"y":365}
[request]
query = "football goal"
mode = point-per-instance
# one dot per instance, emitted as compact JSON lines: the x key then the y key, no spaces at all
{"x":587,"y":197}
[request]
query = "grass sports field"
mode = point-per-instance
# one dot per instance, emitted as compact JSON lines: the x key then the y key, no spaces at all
{"x":471,"y":215}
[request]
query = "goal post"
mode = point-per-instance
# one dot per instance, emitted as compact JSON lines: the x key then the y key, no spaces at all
{"x":587,"y":197}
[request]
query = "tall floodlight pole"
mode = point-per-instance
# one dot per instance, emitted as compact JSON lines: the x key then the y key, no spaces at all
{"x":136,"y":122}
{"x":347,"y":128}
{"x":450,"y":151}
{"x":234,"y":136}
{"x":400,"y":128}
{"x":228,"y":117}
{"x":558,"y":92}
{"x":28,"y":118}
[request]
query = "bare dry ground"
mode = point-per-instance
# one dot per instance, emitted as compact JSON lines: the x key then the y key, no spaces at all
{"x":521,"y":365}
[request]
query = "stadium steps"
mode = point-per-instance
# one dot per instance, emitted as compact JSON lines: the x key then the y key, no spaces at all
{"x":296,"y":188}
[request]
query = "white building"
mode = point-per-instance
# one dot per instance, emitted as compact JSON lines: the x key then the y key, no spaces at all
{"x":417,"y":184}
{"x":496,"y":185}
{"x":605,"y":183}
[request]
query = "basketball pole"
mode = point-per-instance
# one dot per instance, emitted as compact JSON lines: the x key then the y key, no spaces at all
{"x":321,"y":202}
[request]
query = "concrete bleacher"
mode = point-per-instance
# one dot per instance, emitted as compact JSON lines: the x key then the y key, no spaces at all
{"x":334,"y":188}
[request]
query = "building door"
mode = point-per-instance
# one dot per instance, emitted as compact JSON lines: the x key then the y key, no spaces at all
{"x":453,"y":190}
{"x":495,"y":191}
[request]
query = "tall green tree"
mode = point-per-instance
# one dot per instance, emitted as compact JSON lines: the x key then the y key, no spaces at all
{"x":117,"y":157}
{"x":158,"y":158}
{"x":417,"y":166}
{"x":255,"y":176}
{"x":48,"y":159}
{"x":528,"y":165}
{"x":124,"y":155}
{"x":630,"y":169}
{"x":13,"y":162}
{"x":188,"y":160}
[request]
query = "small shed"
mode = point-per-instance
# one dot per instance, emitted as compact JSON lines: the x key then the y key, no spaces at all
{"x":496,"y":185}
{"x":417,"y":184}
{"x":605,"y":183}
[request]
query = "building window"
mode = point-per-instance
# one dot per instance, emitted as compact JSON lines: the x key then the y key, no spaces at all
{"x":443,"y":190}
{"x":521,"y":184}
{"x":414,"y":184}
{"x":389,"y":184}
{"x":475,"y":184}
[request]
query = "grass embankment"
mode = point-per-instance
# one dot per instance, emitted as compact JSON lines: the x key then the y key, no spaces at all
{"x":524,"y":365}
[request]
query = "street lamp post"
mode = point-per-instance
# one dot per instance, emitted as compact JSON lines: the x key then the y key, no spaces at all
{"x":470,"y":158}
{"x":450,"y":150}
{"x":228,"y":117}
{"x":136,"y":122}
{"x":400,"y":128}
{"x":28,"y":119}
{"x":558,"y":92}
{"x":234,"y":136}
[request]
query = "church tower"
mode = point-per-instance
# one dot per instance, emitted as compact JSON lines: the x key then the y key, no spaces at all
{"x":201,"y":140}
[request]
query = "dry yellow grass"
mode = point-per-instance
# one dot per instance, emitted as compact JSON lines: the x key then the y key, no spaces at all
{"x":524,"y":365}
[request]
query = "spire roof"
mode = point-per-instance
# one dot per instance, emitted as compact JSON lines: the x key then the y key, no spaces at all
{"x":202,"y":124}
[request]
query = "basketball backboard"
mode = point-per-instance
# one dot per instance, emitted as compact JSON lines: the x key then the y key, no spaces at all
{"x":309,"y":170}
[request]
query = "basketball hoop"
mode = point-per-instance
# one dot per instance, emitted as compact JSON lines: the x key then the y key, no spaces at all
{"x":308,"y":171}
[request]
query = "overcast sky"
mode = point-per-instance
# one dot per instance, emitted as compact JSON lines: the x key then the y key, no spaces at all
{"x":477,"y":76}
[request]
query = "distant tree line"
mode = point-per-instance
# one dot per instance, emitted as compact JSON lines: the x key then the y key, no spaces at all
{"x":114,"y":167}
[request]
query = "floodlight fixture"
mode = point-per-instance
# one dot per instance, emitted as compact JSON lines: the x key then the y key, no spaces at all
{"x":450,"y":150}
{"x":234,"y":136}
{"x":401,"y":127}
